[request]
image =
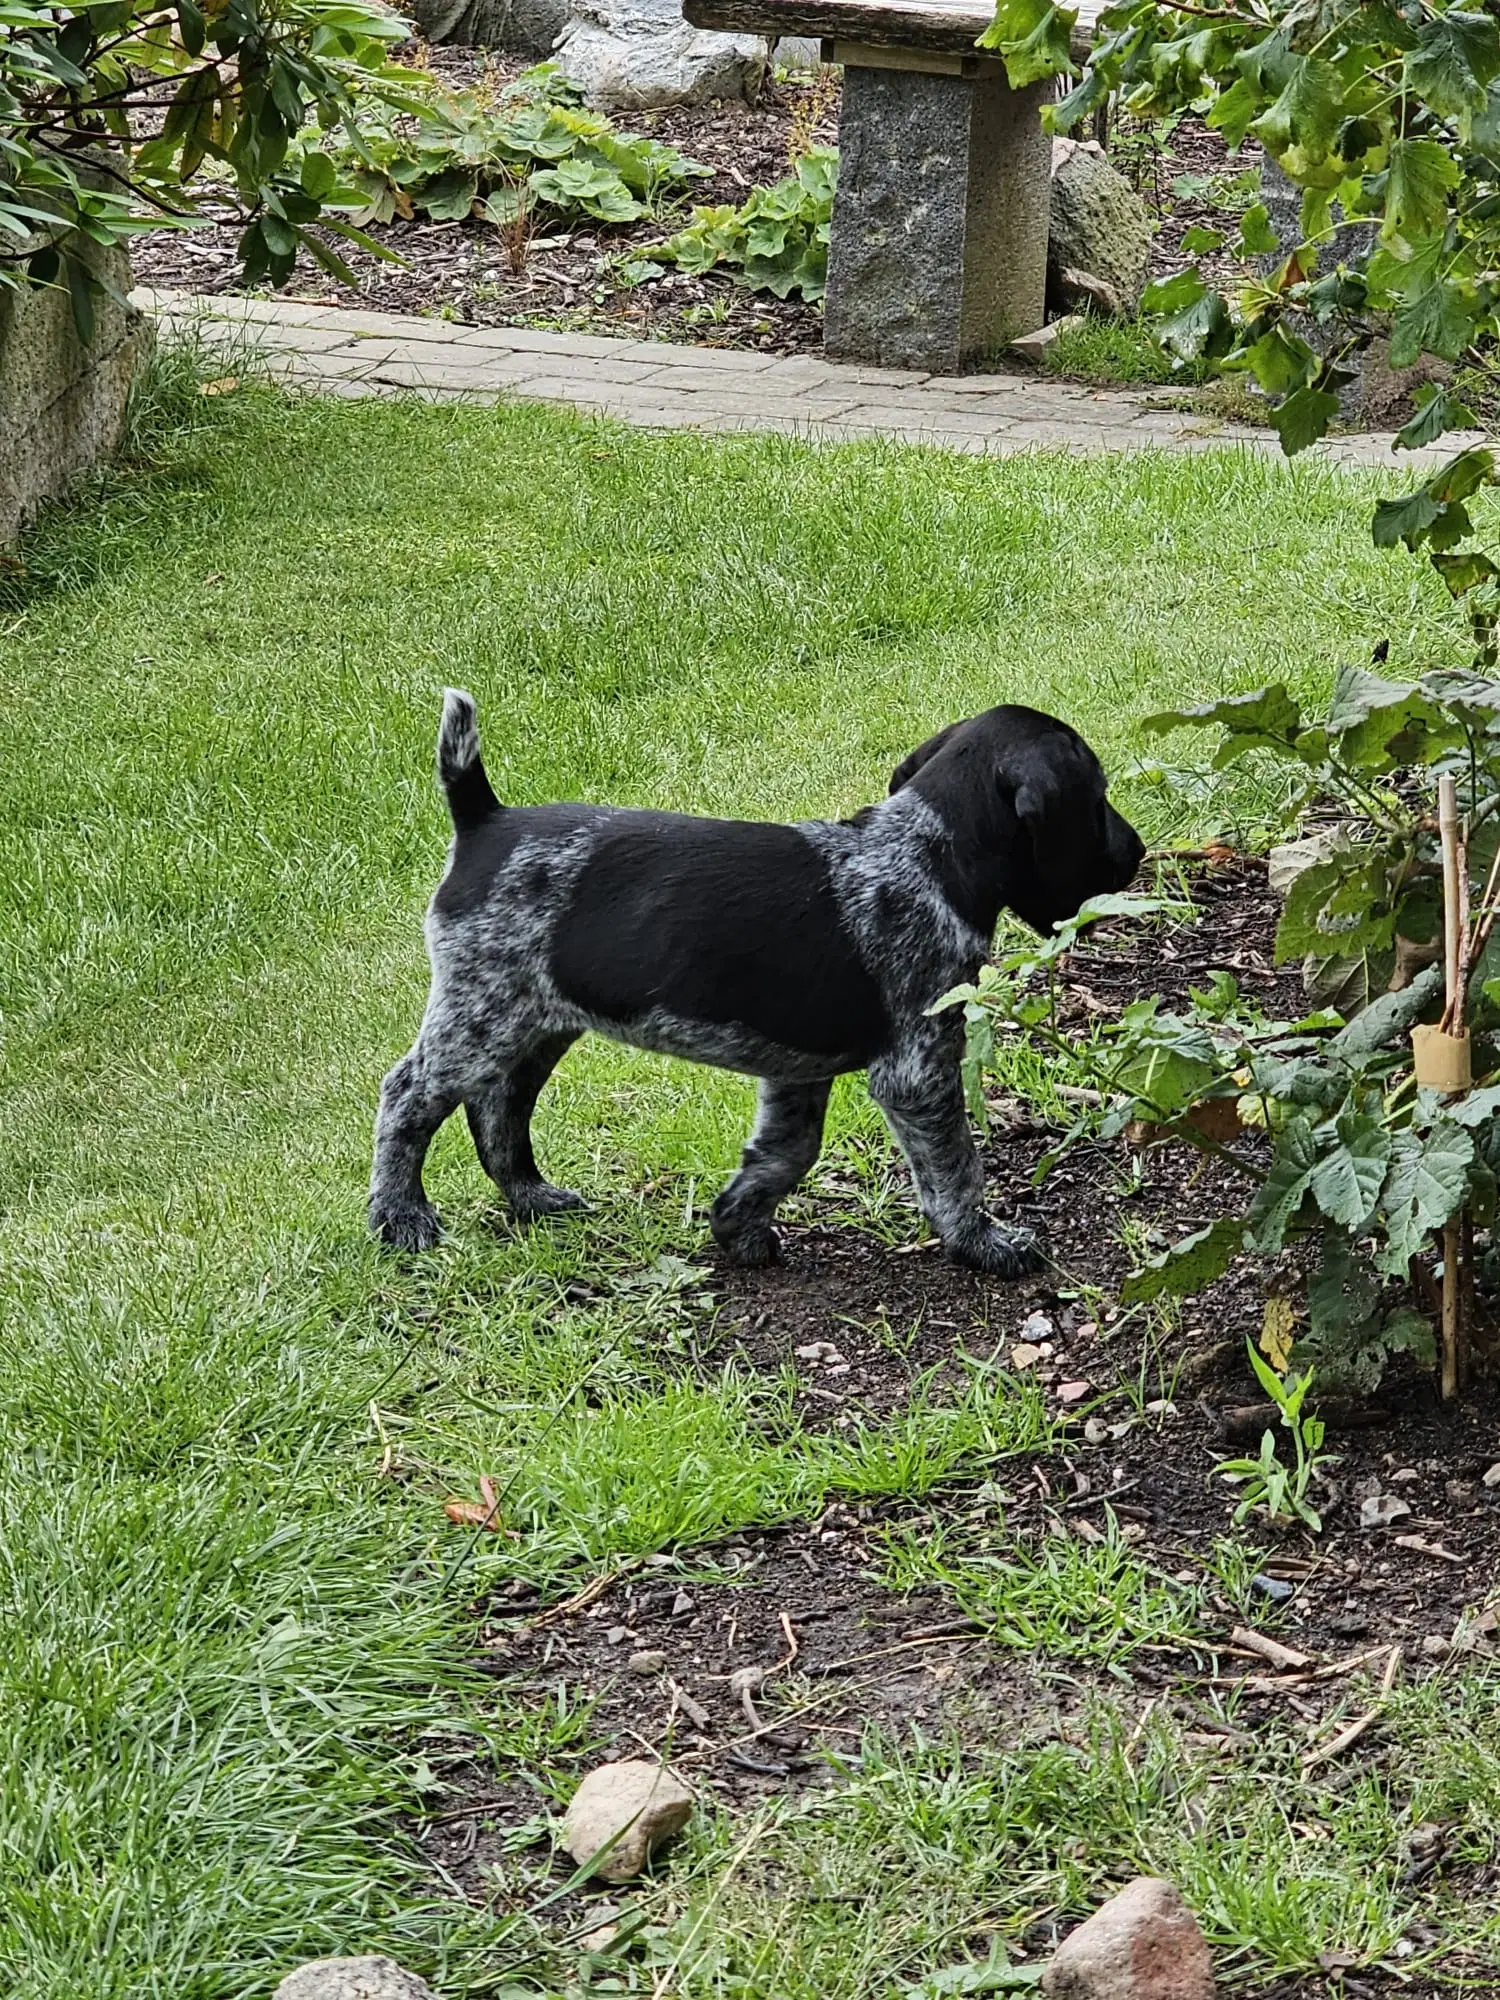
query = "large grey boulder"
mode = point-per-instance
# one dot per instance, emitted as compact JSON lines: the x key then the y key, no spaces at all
{"x":1099,"y":239}
{"x":636,"y":55}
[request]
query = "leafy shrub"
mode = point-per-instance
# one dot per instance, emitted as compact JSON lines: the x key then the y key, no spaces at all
{"x":179,"y":92}
{"x":776,"y":241}
{"x":1318,"y":1120}
{"x":450,"y":154}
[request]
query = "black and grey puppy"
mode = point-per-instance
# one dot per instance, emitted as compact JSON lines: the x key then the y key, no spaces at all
{"x":790,"y":953}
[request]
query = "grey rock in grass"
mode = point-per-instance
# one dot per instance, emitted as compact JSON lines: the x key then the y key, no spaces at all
{"x":635,"y":55}
{"x":353,"y":1979}
{"x":638,"y":1806}
{"x":1144,"y":1944}
{"x":1099,"y":240}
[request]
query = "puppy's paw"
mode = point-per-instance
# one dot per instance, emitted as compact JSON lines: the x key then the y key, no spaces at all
{"x":1003,"y":1252}
{"x":415,"y":1227}
{"x":529,"y":1203}
{"x":751,"y":1244}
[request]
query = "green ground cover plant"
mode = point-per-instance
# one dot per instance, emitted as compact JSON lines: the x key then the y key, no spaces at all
{"x":235,"y":1652}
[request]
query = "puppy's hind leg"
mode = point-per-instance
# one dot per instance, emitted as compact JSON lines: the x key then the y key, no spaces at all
{"x":787,"y":1138}
{"x":500,"y":1119}
{"x":415,"y":1098}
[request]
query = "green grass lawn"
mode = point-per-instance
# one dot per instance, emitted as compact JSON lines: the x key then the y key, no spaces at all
{"x":232,"y":1656}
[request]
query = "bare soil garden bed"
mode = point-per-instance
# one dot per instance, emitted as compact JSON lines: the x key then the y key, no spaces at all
{"x":1143,"y":1415}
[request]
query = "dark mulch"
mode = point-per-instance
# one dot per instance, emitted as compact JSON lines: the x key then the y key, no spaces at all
{"x":461,"y":270}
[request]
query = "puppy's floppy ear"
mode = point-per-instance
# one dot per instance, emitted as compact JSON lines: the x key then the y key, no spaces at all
{"x":1060,"y":804}
{"x":908,"y":768}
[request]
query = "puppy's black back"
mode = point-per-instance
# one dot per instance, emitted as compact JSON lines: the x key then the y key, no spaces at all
{"x":728,"y":922}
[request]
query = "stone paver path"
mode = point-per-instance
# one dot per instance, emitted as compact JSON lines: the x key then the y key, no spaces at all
{"x":662,"y":386}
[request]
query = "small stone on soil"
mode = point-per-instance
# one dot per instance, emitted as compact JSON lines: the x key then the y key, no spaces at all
{"x":1144,"y":1944}
{"x":646,"y":1663}
{"x":1380,"y":1509}
{"x":634,"y":1805}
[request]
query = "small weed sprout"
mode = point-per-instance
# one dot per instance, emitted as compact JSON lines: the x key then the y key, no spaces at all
{"x":1282,"y":1489}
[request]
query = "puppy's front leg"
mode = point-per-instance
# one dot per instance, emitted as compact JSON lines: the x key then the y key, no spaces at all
{"x":920,"y":1090}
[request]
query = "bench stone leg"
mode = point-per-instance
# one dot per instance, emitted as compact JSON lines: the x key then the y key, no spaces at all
{"x":938,"y":254}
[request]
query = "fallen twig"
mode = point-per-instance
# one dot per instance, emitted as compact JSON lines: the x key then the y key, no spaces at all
{"x":1356,"y":1729}
{"x":581,"y":1599}
{"x":1269,"y":1649}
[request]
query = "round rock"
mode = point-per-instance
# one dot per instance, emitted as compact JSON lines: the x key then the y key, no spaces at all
{"x":636,"y":1805}
{"x":1144,"y":1944}
{"x":353,"y":1979}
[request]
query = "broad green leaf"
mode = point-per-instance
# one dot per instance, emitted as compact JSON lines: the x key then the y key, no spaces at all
{"x":1358,"y":694}
{"x":1456,"y":55}
{"x":1477,"y":1108}
{"x":1286,"y":1186}
{"x":1467,"y":570}
{"x":1346,"y":1183}
{"x":1304,"y":417}
{"x":1189,"y":1266}
{"x":1425,"y":1185}
{"x":1438,"y":410}
{"x":1306,"y":114}
{"x":1257,"y":237}
{"x":1409,"y":519}
{"x":1034,"y":37}
{"x":1174,"y":294}
{"x":1391,"y":1016}
{"x":1439,"y":320}
{"x":1233,"y":111}
{"x":1165,"y":1079}
{"x":1421,"y":175}
{"x":1198,"y":240}
{"x":1281,"y":361}
{"x":1204,"y":327}
{"x":1268,"y":714}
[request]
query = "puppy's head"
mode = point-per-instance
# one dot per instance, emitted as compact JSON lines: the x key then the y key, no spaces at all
{"x":1024,"y":798}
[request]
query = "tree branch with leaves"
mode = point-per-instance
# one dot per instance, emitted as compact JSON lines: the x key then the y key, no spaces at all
{"x":118,"y":115}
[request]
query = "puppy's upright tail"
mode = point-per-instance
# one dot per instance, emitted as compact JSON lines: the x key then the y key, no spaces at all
{"x":471,"y":797}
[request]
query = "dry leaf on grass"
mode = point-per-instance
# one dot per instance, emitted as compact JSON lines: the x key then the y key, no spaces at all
{"x":220,"y":386}
{"x":481,"y":1513}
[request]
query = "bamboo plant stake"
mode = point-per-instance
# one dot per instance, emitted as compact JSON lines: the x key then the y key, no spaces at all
{"x":1453,"y":942}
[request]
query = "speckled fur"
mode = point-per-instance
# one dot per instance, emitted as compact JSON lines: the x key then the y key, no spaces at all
{"x":496,"y":1024}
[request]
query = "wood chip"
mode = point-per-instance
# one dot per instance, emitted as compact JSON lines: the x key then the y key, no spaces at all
{"x":1269,"y":1649}
{"x":1422,"y":1548}
{"x":695,"y":1712}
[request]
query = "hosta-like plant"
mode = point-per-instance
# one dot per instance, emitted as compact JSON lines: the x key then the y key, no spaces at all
{"x":455,"y":153}
{"x":775,"y":241}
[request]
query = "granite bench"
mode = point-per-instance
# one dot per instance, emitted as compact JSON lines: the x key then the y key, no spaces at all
{"x":938,"y":255}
